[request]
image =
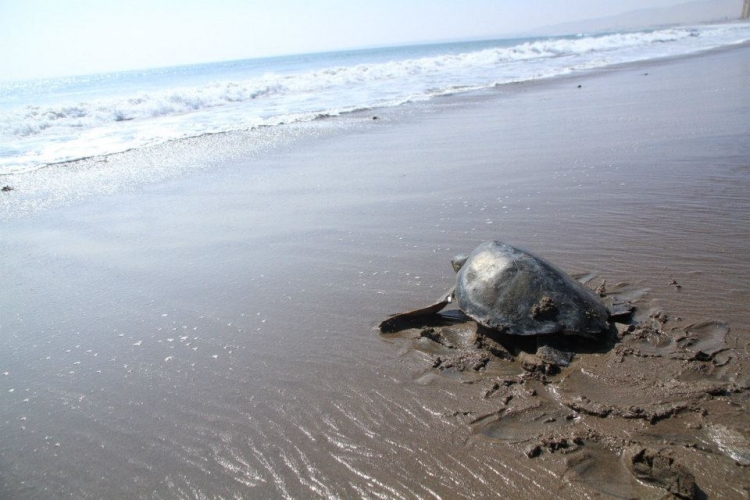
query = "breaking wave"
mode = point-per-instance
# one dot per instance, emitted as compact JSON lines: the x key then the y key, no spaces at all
{"x":275,"y":97}
{"x":35,"y":119}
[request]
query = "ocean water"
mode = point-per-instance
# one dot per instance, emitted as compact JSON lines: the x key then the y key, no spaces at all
{"x":57,"y":120}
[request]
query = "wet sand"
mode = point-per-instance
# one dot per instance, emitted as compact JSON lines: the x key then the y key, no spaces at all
{"x":212,"y":334}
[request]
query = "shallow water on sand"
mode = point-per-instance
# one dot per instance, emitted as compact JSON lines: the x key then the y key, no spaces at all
{"x":213,"y":336}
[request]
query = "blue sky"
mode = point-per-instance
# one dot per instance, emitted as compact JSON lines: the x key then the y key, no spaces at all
{"x":41,"y":38}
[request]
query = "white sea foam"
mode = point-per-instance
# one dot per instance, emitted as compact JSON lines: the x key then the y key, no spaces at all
{"x":56,"y":129}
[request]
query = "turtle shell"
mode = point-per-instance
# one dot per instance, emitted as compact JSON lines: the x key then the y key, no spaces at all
{"x":513,"y":291}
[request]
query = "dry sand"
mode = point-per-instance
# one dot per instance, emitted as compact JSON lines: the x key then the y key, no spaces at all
{"x":212,"y":335}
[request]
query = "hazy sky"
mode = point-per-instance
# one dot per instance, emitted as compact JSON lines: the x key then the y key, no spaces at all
{"x":62,"y":37}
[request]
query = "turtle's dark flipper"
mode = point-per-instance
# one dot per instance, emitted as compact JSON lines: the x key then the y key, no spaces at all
{"x":405,"y":319}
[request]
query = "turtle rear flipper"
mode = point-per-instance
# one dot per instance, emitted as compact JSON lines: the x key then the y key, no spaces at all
{"x":405,"y":319}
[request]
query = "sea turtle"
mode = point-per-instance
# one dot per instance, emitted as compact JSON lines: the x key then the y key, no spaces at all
{"x":515,"y":292}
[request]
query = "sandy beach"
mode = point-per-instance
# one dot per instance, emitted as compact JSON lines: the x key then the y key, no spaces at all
{"x":210,"y":332}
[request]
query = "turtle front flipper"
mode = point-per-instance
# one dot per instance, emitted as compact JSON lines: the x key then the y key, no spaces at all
{"x":403,"y":320}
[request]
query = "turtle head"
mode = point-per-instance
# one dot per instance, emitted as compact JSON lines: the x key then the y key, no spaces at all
{"x":458,"y":261}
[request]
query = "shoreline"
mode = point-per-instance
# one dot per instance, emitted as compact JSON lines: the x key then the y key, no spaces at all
{"x":211,"y":331}
{"x":52,"y":182}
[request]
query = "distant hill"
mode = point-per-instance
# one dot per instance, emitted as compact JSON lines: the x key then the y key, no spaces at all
{"x":688,"y":13}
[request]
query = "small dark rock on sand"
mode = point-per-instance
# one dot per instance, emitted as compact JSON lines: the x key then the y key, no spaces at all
{"x":7,"y":188}
{"x":534,"y":450}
